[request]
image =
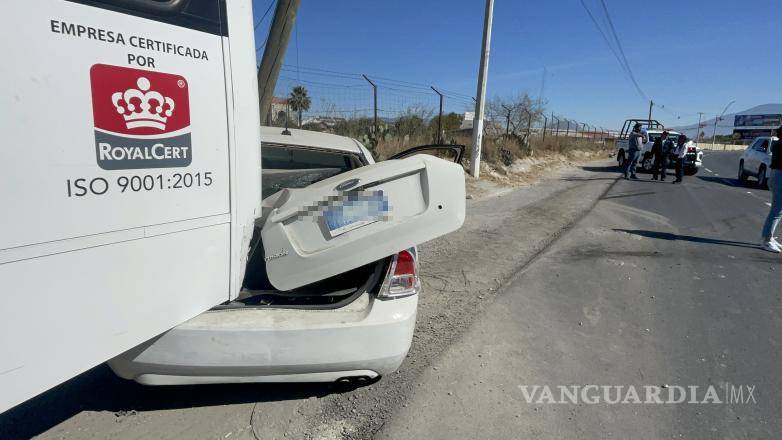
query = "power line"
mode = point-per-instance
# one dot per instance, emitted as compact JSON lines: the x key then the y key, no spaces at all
{"x":318,"y":83}
{"x":258,"y":23}
{"x":615,"y":45}
{"x":621,"y":50}
{"x":296,"y":28}
{"x":606,"y":39}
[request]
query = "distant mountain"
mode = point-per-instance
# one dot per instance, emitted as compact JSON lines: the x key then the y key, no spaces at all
{"x":725,"y":126}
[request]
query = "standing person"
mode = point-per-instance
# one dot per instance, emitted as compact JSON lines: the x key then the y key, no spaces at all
{"x":634,"y":142}
{"x":679,"y":153}
{"x":775,"y":185}
{"x":660,"y":149}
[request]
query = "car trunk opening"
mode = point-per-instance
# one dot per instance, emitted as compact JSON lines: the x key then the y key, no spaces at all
{"x":333,"y":292}
{"x":288,"y":166}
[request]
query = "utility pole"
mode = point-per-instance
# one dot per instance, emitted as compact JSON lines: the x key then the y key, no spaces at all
{"x":567,"y":132}
{"x":651,"y":104}
{"x":483,"y":72}
{"x":714,"y":135}
{"x":439,"y":117}
{"x":542,"y":86}
{"x":274,"y":52}
{"x":698,"y":131}
{"x":374,"y":98}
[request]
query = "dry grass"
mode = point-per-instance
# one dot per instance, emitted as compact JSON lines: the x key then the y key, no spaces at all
{"x":504,"y":151}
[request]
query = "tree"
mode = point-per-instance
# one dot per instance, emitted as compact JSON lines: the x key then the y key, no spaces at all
{"x":299,"y":101}
{"x":451,"y":121}
{"x":514,"y":113}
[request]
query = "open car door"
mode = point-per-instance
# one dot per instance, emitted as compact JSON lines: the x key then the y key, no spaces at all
{"x":361,"y":216}
{"x":451,"y":152}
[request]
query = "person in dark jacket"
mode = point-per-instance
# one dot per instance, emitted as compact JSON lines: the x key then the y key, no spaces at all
{"x":770,"y":243}
{"x":661,"y":149}
{"x":635,"y":141}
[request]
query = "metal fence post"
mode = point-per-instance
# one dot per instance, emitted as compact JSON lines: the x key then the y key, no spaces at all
{"x":374,"y":97}
{"x":439,"y":117}
{"x":545,"y":123}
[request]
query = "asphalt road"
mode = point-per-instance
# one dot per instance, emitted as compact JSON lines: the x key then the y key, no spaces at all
{"x":659,"y":285}
{"x":579,"y":280}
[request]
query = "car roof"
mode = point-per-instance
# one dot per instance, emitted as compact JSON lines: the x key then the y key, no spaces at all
{"x":311,"y":139}
{"x":656,"y":131}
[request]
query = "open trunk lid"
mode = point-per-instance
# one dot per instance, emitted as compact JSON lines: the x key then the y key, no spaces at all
{"x":364,"y":215}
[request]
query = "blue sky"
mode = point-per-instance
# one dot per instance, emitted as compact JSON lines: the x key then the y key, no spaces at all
{"x":689,"y":56}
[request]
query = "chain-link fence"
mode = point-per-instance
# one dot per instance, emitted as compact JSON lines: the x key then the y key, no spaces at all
{"x":388,"y":115}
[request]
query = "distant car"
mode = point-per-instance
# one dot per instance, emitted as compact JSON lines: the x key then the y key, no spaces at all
{"x":756,"y":160}
{"x":693,"y":161}
{"x":354,"y":326}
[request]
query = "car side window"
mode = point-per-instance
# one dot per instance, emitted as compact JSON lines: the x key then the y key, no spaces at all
{"x":762,"y":146}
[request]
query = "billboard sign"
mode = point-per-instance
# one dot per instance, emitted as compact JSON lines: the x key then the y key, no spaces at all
{"x":757,"y":120}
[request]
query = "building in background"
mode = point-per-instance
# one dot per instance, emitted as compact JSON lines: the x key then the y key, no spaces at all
{"x":279,"y":110}
{"x":757,"y":121}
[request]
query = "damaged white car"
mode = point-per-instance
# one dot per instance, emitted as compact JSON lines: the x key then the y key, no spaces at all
{"x":332,"y":282}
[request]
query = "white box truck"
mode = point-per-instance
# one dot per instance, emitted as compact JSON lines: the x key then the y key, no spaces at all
{"x":131,"y":183}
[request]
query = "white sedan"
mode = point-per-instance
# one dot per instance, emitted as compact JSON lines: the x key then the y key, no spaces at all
{"x":332,"y":279}
{"x":756,"y":160}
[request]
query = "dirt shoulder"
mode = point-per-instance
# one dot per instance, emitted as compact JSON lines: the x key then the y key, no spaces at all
{"x":462,"y":274}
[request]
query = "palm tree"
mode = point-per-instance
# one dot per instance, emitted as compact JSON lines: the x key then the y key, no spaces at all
{"x":299,"y":101}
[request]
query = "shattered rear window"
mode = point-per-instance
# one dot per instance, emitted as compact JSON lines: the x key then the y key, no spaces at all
{"x":295,"y":167}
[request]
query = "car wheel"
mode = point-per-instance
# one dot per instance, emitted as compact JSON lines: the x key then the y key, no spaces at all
{"x":620,"y":159}
{"x":647,"y":164}
{"x":762,"y":180}
{"x":691,"y":171}
{"x":742,"y":173}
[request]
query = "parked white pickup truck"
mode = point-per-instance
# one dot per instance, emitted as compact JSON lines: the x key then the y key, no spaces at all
{"x":653,"y":131}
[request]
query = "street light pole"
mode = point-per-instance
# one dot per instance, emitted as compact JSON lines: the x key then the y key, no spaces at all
{"x":714,"y":134}
{"x":483,"y":72}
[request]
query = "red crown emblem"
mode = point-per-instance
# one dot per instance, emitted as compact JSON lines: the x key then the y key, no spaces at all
{"x":138,"y":102}
{"x":143,"y":107}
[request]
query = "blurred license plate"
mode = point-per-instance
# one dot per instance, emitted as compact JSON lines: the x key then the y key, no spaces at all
{"x":354,"y":211}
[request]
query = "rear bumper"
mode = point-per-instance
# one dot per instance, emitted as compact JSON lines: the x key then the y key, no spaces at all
{"x":369,"y":337}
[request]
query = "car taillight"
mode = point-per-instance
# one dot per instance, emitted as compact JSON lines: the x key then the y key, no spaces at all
{"x":402,"y":278}
{"x":690,"y":149}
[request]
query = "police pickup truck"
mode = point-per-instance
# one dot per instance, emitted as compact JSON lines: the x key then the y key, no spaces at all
{"x":653,"y":130}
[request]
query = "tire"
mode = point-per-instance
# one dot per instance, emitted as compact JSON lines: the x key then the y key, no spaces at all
{"x":620,"y":158}
{"x":647,"y":164}
{"x":762,"y":178}
{"x":691,"y":171}
{"x":742,"y":174}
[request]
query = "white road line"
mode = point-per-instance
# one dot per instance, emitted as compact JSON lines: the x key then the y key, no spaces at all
{"x":716,"y":174}
{"x":749,"y":192}
{"x":708,"y":170}
{"x":768,"y":204}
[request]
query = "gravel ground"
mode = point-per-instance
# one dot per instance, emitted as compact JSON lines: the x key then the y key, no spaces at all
{"x":462,"y":274}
